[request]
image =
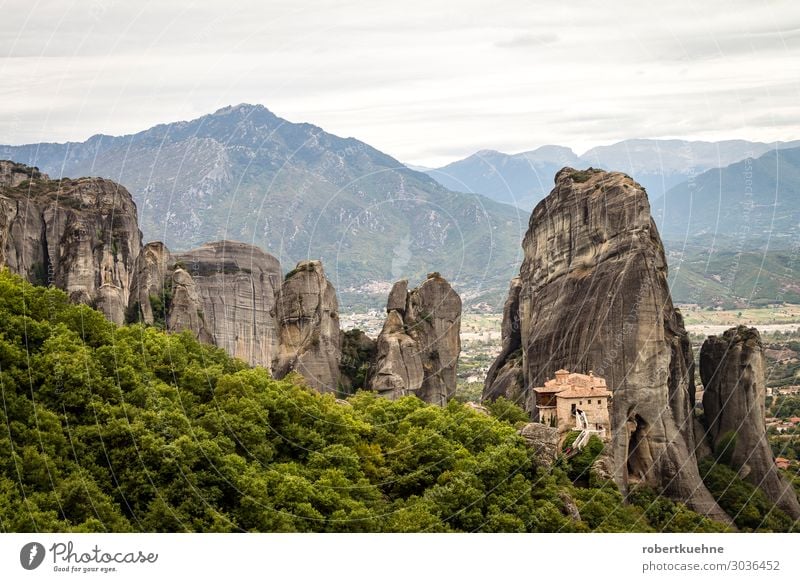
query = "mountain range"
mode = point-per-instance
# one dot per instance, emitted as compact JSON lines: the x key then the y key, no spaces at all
{"x":525,"y":178}
{"x":245,"y":174}
{"x":728,"y":211}
{"x":733,"y":233}
{"x":755,"y":202}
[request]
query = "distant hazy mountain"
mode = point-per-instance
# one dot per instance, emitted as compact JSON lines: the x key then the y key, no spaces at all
{"x":753,"y":201}
{"x":520,"y":179}
{"x":524,"y":179}
{"x":733,"y":232}
{"x":243,"y":173}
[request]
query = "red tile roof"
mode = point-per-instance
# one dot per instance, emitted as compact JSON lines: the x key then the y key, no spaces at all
{"x":573,"y":385}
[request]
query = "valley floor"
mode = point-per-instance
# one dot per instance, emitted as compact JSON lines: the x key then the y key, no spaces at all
{"x":480,"y":339}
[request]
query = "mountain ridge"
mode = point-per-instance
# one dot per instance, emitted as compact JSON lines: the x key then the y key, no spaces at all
{"x":243,"y":173}
{"x":657,"y":164}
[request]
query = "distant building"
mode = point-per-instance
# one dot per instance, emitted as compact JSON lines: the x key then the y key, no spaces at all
{"x":560,"y":399}
{"x":782,"y":463}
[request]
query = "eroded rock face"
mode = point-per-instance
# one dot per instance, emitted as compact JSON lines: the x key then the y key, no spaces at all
{"x":594,"y":296}
{"x":236,"y":286}
{"x":543,"y":440}
{"x":80,"y":235}
{"x":185,"y":311}
{"x":397,"y":370}
{"x":732,"y":369}
{"x":307,"y":313}
{"x":398,"y":297}
{"x":505,"y":376}
{"x":12,"y":174}
{"x":433,"y":318}
{"x":147,"y":287}
{"x":419,"y":345}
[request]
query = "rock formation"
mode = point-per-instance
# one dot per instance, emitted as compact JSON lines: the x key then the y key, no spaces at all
{"x":397,"y":370}
{"x":358,"y":352}
{"x":79,"y":235}
{"x":236,"y":285}
{"x":82,"y":236}
{"x":307,"y":314}
{"x":505,"y":376}
{"x":419,"y":345}
{"x":398,"y":297}
{"x":732,"y":369}
{"x":223,"y":292}
{"x":13,"y":174}
{"x":151,"y":283}
{"x":594,"y":296}
{"x":185,"y":310}
{"x":543,"y":440}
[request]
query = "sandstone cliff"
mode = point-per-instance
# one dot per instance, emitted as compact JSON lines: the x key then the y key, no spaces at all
{"x":505,"y":376}
{"x":594,"y":296}
{"x":79,"y":235}
{"x":419,"y":345}
{"x":151,"y":281}
{"x":223,"y":292}
{"x":732,"y":369}
{"x":185,"y":310}
{"x":397,"y":370}
{"x":307,"y":314}
{"x":12,"y":174}
{"x":236,"y":287}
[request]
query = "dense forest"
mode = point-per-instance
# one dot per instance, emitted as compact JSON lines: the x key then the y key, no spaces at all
{"x":127,"y":428}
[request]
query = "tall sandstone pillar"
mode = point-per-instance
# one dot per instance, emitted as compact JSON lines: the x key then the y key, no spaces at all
{"x":594,"y":296}
{"x":732,"y":369}
{"x":419,"y":345}
{"x":307,"y":313}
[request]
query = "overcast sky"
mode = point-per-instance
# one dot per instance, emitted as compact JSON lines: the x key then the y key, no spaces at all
{"x":425,"y":81}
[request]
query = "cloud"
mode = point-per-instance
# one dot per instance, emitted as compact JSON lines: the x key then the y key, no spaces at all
{"x":528,"y":40}
{"x":425,"y":82}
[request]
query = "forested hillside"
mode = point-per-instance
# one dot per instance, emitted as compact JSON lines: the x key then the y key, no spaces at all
{"x":108,"y":428}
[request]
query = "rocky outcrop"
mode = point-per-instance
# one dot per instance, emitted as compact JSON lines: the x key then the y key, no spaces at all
{"x":148,"y":287}
{"x":185,"y":310}
{"x":12,"y":174}
{"x":83,"y":237}
{"x":223,"y":292}
{"x":419,"y":345}
{"x":505,"y":376}
{"x":236,"y":285}
{"x":79,"y":235}
{"x":307,"y":313}
{"x":543,"y":440}
{"x":398,"y":297}
{"x":594,"y":296}
{"x":602,"y":467}
{"x":397,"y":370}
{"x":732,"y":369}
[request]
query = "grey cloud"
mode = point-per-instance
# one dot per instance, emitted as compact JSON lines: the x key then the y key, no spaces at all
{"x":528,"y":40}
{"x":423,"y":81}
